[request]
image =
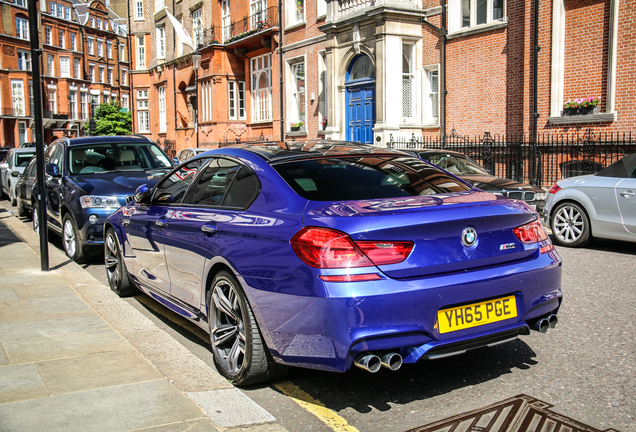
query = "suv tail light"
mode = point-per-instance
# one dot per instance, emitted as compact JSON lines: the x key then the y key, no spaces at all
{"x":534,"y":233}
{"x":555,"y":188}
{"x":328,"y":248}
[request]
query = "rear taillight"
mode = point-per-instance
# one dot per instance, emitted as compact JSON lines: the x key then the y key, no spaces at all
{"x":555,"y":188}
{"x":534,"y":233}
{"x":531,"y":233}
{"x":328,"y":248}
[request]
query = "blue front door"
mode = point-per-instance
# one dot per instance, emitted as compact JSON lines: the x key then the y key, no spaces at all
{"x":361,"y":112}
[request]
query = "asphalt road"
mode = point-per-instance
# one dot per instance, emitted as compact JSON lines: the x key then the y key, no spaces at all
{"x":585,"y":368}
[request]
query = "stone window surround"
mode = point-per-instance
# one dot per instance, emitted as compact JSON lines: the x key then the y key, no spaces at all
{"x":557,"y":73}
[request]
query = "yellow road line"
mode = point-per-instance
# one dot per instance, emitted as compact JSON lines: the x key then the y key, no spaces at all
{"x":315,"y":407}
{"x":304,"y":400}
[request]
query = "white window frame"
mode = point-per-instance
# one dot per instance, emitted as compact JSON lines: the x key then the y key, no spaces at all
{"x":90,"y":41}
{"x":163,"y":119}
{"x":53,"y":7}
{"x":124,"y":76}
{"x":92,"y":22}
{"x":261,"y":69}
{"x":258,"y":12}
{"x":17,"y":97}
{"x":431,"y":98}
{"x":408,"y":82}
{"x":91,"y":72}
{"x":65,"y":67}
{"x":77,"y":68}
{"x":297,"y":104}
{"x":48,"y":35}
{"x":141,"y":52}
{"x":52,"y":100}
{"x":50,"y":65}
{"x":109,"y":75}
{"x":109,"y":49}
{"x":160,"y":5}
{"x":143,"y":114}
{"x":456,"y":9}
{"x":197,"y":26}
{"x":83,"y":104}
{"x":22,"y":132}
{"x":236,"y":100}
{"x":206,"y":101}
{"x":322,"y":88}
{"x":295,"y":12}
{"x":67,"y":13}
{"x":22,"y":28}
{"x":122,"y":52}
{"x":139,"y":10}
{"x":73,"y":41}
{"x":226,"y":19}
{"x":161,"y":42}
{"x":125,"y":104}
{"x":22,"y":3}
{"x":101,"y":74}
{"x":72,"y":97}
{"x":98,"y":23}
{"x":100,"y":48}
{"x":24,"y":60}
{"x":61,"y":38}
{"x":321,"y":8}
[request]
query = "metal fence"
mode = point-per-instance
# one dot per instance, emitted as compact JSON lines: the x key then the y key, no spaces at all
{"x":240,"y":29}
{"x":516,"y":157}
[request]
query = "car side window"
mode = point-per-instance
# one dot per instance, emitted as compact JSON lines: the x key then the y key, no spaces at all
{"x":55,"y":155}
{"x":213,"y":183}
{"x":242,"y":190}
{"x":172,"y":189}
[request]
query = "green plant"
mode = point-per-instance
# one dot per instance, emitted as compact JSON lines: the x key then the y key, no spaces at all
{"x":296,"y":125}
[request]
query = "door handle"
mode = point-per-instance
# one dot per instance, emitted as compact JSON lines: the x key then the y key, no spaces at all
{"x":161,"y":223}
{"x":209,"y":230}
{"x":627,"y":194}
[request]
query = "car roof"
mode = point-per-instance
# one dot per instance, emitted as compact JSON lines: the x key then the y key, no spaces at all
{"x":285,"y":151}
{"x":23,"y":150}
{"x":114,"y":139}
{"x":440,"y":151}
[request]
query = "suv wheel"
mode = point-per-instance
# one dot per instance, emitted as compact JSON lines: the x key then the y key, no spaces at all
{"x":71,"y":239}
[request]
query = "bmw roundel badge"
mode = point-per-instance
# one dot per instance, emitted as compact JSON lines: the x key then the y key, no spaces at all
{"x":469,"y":236}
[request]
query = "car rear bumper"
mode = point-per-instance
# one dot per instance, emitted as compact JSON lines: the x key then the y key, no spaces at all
{"x":330,"y":331}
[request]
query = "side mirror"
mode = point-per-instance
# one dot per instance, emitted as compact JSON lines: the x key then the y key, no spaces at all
{"x":142,"y":195}
{"x":52,"y":169}
{"x":4,"y":165}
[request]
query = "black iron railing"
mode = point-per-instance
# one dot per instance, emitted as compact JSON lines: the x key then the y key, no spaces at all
{"x":241,"y":29}
{"x":516,"y":157}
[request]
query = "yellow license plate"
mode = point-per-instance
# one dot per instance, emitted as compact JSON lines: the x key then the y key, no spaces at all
{"x":476,"y":314}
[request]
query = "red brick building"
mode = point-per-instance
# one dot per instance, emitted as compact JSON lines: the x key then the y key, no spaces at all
{"x":84,"y":63}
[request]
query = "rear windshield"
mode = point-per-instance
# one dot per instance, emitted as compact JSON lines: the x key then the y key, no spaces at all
{"x":366,"y":177}
{"x":23,"y":159}
{"x":116,"y":157}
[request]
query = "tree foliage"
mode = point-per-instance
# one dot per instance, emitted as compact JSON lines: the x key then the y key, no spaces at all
{"x":111,"y":119}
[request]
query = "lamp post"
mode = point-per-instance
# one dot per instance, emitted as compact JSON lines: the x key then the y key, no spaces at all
{"x":196,"y":65}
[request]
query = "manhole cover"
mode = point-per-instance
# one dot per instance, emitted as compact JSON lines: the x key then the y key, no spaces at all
{"x":518,"y":414}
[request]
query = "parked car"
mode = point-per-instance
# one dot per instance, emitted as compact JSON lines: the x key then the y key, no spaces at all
{"x":16,"y":160}
{"x":331,"y":254}
{"x":24,"y":188}
{"x":467,"y":169}
{"x":189,"y":153}
{"x":599,"y":205}
{"x":89,"y":178}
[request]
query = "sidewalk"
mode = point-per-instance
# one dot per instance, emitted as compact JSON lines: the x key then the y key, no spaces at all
{"x":75,"y":357}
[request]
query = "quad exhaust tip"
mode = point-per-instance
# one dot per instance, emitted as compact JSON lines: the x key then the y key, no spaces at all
{"x":546,"y":323}
{"x":372,"y":363}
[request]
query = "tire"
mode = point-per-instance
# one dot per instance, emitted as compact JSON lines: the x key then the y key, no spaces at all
{"x":116,"y":272}
{"x":240,"y":354}
{"x":21,"y":210}
{"x":12,"y":199}
{"x":570,"y":225}
{"x":35,"y":219}
{"x":71,"y":240}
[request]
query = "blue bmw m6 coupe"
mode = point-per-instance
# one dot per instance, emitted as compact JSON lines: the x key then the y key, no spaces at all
{"x":330,"y":254}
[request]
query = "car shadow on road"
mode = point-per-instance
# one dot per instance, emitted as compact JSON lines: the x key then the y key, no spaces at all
{"x":604,"y":245}
{"x":363,"y":391}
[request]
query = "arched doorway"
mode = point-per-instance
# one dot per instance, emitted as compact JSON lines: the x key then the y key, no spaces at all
{"x":360,"y":99}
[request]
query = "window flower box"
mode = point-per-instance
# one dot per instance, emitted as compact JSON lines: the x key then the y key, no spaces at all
{"x":585,"y":106}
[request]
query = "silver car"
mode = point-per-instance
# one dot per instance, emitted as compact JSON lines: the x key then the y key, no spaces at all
{"x":14,"y":164}
{"x":601,"y":205}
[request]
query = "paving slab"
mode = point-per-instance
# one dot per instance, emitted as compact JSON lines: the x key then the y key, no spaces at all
{"x":222,"y":407}
{"x":110,"y":369}
{"x":21,"y":382}
{"x":63,"y":345}
{"x":113,"y":409}
{"x":61,"y":323}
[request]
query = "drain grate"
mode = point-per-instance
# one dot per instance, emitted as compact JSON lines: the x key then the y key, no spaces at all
{"x":518,"y":414}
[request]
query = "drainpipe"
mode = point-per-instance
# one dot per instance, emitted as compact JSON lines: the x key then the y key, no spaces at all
{"x":442,"y":75}
{"x":132,"y":99}
{"x":535,"y":108}
{"x":280,"y":68}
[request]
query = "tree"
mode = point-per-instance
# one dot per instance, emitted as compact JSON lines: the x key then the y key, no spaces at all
{"x":111,"y":119}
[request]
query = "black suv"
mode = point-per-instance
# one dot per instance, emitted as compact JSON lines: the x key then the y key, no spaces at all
{"x":89,"y":178}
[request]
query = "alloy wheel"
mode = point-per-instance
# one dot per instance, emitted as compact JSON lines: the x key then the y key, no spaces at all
{"x":111,"y":259}
{"x":70,"y":240}
{"x":570,"y":225}
{"x":228,"y":327}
